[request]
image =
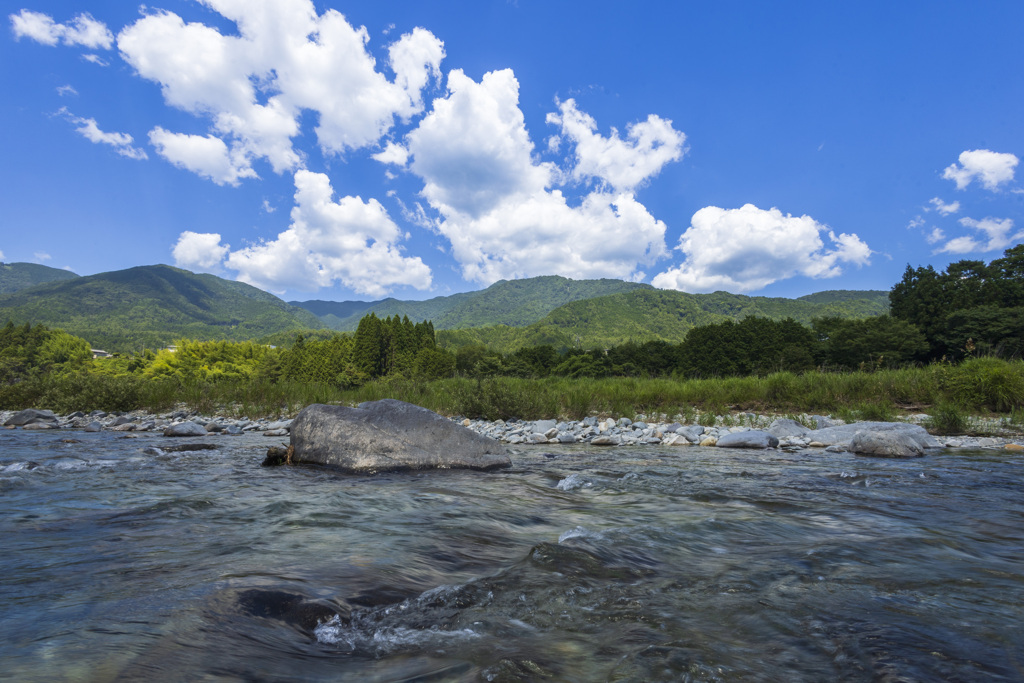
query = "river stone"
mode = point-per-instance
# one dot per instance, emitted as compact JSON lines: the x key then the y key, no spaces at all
{"x":887,"y":444}
{"x":709,"y":441}
{"x":691,"y":433}
{"x":606,"y":441}
{"x":544,"y":426}
{"x":784,"y":427}
{"x":30,"y":416}
{"x":94,"y":426}
{"x":185,"y":429}
{"x":753,"y":438}
{"x":389,"y":435}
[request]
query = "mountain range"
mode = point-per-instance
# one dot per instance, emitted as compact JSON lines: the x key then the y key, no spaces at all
{"x":506,"y":302}
{"x":151,"y":306}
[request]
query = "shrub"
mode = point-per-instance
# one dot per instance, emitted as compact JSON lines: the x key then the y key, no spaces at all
{"x":947,"y":418}
{"x":985,"y":383}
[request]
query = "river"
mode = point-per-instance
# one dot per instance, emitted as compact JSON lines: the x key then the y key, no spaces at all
{"x":577,"y":564}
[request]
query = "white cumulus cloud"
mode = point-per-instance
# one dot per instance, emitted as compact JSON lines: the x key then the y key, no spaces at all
{"x":997,"y":234}
{"x":349,"y":241}
{"x":497,"y":208}
{"x":123,"y":143}
{"x":204,"y":155}
{"x":83,"y":30}
{"x":991,"y":169}
{"x":393,"y":154}
{"x":623,"y":164}
{"x":199,"y":251}
{"x":935,"y":236}
{"x":286,"y":59}
{"x":942,"y":207}
{"x":745,"y":249}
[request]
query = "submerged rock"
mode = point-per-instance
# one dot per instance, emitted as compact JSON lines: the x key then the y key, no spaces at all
{"x":389,"y":435}
{"x":277,"y":456}
{"x":287,"y":607}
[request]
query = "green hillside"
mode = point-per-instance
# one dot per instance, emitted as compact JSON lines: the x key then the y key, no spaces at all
{"x":17,"y":276}
{"x":507,"y":302}
{"x":151,"y":306}
{"x":655,"y":314}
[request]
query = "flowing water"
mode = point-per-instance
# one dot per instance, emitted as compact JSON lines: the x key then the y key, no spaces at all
{"x":578,"y":564}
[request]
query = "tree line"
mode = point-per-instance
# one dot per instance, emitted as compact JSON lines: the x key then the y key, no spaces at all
{"x":969,"y":309}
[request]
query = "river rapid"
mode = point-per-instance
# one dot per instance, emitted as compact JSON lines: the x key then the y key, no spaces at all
{"x":648,"y":563}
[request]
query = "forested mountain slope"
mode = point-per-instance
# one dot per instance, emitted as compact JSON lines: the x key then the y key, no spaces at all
{"x":151,"y":306}
{"x":655,"y":314}
{"x":507,"y":302}
{"x":17,"y":276}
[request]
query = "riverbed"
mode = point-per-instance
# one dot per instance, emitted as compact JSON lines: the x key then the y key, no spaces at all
{"x":121,"y":562}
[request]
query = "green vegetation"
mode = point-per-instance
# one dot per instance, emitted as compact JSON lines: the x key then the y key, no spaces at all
{"x":28,"y":352}
{"x":860,"y":395}
{"x":971,"y":308}
{"x":150,"y":306}
{"x":18,"y":276}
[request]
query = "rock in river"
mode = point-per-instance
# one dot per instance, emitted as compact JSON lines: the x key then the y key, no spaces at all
{"x":389,"y":435}
{"x":888,"y":444}
{"x":185,"y":429}
{"x":750,"y":439}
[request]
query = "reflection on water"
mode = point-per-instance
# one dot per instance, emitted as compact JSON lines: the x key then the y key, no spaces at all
{"x":621,"y":564}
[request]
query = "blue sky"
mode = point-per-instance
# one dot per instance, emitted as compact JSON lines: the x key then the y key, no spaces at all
{"x":339,"y":150}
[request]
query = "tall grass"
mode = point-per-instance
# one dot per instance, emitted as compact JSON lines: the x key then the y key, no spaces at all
{"x":977,"y":385}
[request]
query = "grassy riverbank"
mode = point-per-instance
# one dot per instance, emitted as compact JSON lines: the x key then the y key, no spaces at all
{"x":979,"y":386}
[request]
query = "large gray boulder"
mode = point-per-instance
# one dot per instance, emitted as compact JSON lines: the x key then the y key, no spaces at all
{"x":185,"y":429}
{"x":785,"y":427}
{"x":887,"y":444}
{"x":389,"y":435}
{"x":31,"y":416}
{"x":842,"y":435}
{"x":753,"y":438}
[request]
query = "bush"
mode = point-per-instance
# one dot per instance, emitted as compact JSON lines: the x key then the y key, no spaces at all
{"x":985,"y":383}
{"x":948,"y":418}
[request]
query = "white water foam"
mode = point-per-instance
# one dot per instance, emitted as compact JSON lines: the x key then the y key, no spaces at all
{"x":579,"y":532}
{"x":388,"y":639}
{"x":572,"y":483}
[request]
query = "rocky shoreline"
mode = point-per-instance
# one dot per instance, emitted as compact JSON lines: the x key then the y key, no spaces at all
{"x":745,"y":430}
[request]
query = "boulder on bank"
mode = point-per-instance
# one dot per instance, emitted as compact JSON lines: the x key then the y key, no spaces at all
{"x":843,"y":435}
{"x":31,"y":416}
{"x":753,"y":438}
{"x":389,"y":435}
{"x":784,"y":427}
